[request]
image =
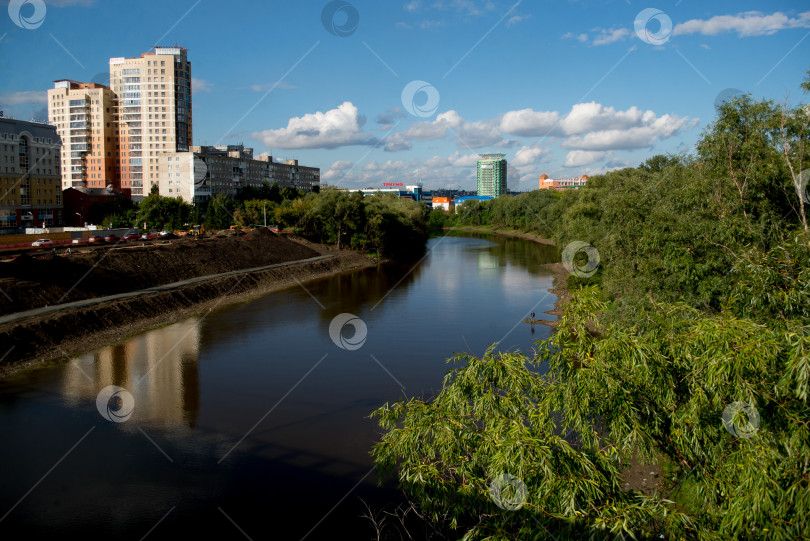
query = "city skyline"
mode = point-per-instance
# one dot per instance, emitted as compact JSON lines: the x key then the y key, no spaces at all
{"x":416,"y":90}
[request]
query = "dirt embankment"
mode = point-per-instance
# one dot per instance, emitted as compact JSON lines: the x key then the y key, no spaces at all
{"x":31,"y":282}
{"x":88,"y":272}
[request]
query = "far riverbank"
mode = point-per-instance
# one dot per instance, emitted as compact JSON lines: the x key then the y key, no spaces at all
{"x":557,"y":269}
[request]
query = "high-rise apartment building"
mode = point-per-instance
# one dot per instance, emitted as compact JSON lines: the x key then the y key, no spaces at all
{"x":84,"y":115}
{"x":491,"y":174}
{"x":154,"y":112}
{"x":30,"y":179}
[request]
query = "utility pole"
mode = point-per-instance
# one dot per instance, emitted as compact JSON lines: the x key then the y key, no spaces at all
{"x":264,"y":207}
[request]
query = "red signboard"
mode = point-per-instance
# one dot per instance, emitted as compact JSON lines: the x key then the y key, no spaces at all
{"x":393,"y":184}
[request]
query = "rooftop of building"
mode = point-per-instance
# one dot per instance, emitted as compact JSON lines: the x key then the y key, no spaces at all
{"x":71,"y":84}
{"x":36,"y":128}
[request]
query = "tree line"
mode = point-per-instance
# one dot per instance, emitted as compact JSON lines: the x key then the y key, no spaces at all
{"x":382,"y":224}
{"x":688,"y":346}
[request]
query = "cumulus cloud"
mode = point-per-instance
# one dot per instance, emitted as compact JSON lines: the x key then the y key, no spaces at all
{"x":531,"y":123}
{"x":578,"y":158}
{"x":592,"y":116}
{"x":643,"y":136}
{"x":397,"y":142}
{"x":531,"y":155}
{"x":746,"y":24}
{"x":434,"y":129}
{"x":23,"y":97}
{"x":608,"y":36}
{"x":592,"y":126}
{"x":390,"y":116}
{"x":337,"y":170}
{"x":331,"y":129}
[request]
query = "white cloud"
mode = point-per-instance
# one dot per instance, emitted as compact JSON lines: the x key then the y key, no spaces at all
{"x":582,"y":38}
{"x":592,"y":126}
{"x":578,"y":158}
{"x":531,"y":123}
{"x":412,"y":6}
{"x":434,"y":129}
{"x":331,"y":129}
{"x":199,"y":85}
{"x":513,"y":20}
{"x":643,"y":136}
{"x":24,"y":96}
{"x":592,"y":116}
{"x":337,"y":170}
{"x":612,"y":35}
{"x":397,"y":142}
{"x":746,"y":24}
{"x":483,"y":133}
{"x":531,"y":155}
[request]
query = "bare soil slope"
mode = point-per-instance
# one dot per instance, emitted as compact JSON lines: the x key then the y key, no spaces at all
{"x":31,"y":282}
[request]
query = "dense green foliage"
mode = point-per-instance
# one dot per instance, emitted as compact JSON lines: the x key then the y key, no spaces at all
{"x":382,"y":224}
{"x":690,"y":346}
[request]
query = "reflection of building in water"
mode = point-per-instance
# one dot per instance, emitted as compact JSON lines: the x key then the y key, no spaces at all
{"x":158,"y":367}
{"x":487,"y":260}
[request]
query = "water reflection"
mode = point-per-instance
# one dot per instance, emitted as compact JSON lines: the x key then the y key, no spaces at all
{"x":159,"y":368}
{"x":260,"y":412}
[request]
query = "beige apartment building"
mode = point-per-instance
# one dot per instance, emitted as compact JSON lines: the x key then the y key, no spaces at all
{"x":154,"y":112}
{"x":85,"y":118}
{"x":205,"y":171}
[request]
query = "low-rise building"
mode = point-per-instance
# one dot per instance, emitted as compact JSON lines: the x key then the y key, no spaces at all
{"x":443,"y":203}
{"x":204,"y":171}
{"x":414,"y":191}
{"x":77,"y":203}
{"x":560,"y":184}
{"x":30,"y":175}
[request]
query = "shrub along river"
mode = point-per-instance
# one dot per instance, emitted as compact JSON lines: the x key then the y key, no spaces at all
{"x":252,"y":417}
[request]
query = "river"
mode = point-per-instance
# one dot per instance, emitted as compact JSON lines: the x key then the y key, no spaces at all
{"x":250,"y":421}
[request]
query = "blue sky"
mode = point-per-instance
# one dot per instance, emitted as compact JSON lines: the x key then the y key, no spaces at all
{"x":562,"y":87}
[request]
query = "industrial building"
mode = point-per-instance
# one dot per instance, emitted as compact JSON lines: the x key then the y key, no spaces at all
{"x":491,"y":175}
{"x":30,"y":176}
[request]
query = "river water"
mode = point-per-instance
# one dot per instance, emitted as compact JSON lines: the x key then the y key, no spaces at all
{"x":250,"y":421}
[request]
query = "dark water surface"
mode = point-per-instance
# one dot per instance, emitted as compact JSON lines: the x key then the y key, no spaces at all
{"x":251,"y":418}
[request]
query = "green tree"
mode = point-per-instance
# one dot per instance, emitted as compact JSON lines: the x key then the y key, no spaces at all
{"x":220,"y":212}
{"x":163,"y":212}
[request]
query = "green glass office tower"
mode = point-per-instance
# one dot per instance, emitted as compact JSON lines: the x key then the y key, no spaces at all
{"x":491,"y":174}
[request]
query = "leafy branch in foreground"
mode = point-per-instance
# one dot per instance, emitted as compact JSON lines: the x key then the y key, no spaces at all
{"x":667,"y":390}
